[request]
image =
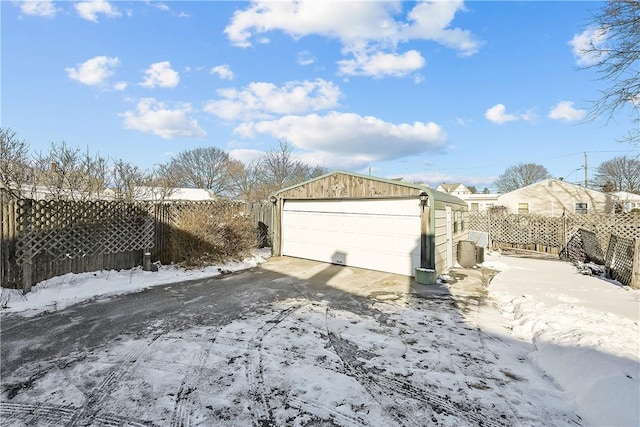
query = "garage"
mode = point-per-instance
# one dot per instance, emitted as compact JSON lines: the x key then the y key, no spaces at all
{"x":374,"y":234}
{"x":368,"y":222}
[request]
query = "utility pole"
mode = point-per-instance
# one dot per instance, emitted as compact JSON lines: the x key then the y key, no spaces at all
{"x":586,"y":183}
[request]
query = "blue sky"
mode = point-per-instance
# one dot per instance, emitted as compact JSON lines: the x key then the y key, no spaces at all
{"x":434,"y":92}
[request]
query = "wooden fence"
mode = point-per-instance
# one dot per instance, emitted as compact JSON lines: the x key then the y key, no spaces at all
{"x":616,"y":235}
{"x":43,"y":239}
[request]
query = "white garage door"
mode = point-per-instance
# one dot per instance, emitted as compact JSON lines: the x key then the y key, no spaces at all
{"x":379,"y":235}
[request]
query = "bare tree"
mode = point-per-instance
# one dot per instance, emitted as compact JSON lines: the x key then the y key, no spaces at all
{"x":129,"y":181}
{"x":617,"y":60}
{"x":200,"y":168}
{"x":246,"y":180}
{"x":619,"y":174}
{"x":15,"y":172}
{"x":282,"y":169}
{"x":521,"y":175}
{"x":70,"y":174}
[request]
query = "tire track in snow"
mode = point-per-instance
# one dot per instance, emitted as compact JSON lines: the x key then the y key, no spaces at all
{"x":57,"y":415}
{"x":255,"y":374}
{"x":181,"y":413}
{"x":86,"y":413}
{"x":381,"y":386}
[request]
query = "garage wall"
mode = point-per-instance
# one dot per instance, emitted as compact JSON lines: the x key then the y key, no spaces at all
{"x":459,"y":218}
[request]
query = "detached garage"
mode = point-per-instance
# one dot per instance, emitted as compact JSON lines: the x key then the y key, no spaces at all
{"x":367,"y":222}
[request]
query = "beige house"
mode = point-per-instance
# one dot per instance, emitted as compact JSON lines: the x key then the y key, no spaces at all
{"x":553,"y":197}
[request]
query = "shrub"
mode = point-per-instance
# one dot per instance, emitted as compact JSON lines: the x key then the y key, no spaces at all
{"x":206,"y":234}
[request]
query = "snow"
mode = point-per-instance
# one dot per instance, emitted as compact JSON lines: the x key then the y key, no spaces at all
{"x":549,"y":347}
{"x":586,"y":333}
{"x":63,"y":291}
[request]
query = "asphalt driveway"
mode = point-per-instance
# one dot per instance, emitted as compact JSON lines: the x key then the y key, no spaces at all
{"x":291,"y":342}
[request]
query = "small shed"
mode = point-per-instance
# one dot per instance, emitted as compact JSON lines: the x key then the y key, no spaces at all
{"x":368,"y":222}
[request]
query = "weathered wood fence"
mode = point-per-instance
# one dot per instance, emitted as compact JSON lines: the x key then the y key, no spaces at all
{"x":609,"y":239}
{"x":42,"y":239}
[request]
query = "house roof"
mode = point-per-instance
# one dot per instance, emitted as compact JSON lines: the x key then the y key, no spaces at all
{"x":559,"y":182}
{"x":433,"y":194}
{"x":450,"y":187}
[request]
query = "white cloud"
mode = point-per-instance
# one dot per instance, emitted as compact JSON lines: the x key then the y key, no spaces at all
{"x":38,"y":7}
{"x":564,"y":110}
{"x":119,"y":86}
{"x":161,"y":74}
{"x":223,"y":71}
{"x":339,"y":139}
{"x":305,"y":58}
{"x":153,"y":116}
{"x":246,"y":155}
{"x":382,"y":64}
{"x":497,"y":114}
{"x":94,"y":71}
{"x":263,"y":100}
{"x":431,"y":20}
{"x":366,"y":29}
{"x":583,"y":44}
{"x":158,"y":5}
{"x":89,"y":10}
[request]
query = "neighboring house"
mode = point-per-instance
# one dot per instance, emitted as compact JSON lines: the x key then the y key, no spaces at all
{"x":476,"y":202}
{"x":42,"y":192}
{"x":172,"y":194}
{"x":456,"y":189}
{"x":480,"y":202}
{"x":553,"y":197}
{"x":628,"y":201}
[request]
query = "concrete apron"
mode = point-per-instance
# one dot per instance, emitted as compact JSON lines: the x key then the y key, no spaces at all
{"x":465,"y":285}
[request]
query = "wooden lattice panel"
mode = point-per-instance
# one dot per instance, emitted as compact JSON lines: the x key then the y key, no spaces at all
{"x":68,"y":229}
{"x":620,"y":257}
{"x":526,"y":230}
{"x":625,"y":225}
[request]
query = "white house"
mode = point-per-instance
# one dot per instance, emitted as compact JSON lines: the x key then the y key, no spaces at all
{"x":476,"y":202}
{"x":456,"y":189}
{"x":629,"y":201}
{"x":480,"y":202}
{"x":173,"y":194}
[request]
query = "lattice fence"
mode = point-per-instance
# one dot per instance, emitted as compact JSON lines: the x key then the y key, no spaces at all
{"x":576,"y":237}
{"x":583,"y":246}
{"x":64,"y":229}
{"x":43,"y":239}
{"x":50,"y":233}
{"x":623,"y":260}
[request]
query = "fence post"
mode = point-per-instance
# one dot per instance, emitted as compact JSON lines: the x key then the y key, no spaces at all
{"x":27,"y":265}
{"x":635,"y":269}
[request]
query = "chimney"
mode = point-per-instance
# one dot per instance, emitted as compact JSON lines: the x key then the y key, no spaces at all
{"x":54,"y":167}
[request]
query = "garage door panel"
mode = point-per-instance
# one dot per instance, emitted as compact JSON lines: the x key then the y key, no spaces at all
{"x":379,"y":235}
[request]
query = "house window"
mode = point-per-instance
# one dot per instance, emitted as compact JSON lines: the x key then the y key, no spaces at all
{"x":581,"y":208}
{"x":523,"y":208}
{"x":474,"y":207}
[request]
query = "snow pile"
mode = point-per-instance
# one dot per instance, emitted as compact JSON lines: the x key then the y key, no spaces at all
{"x":63,"y":291}
{"x":586,"y":332}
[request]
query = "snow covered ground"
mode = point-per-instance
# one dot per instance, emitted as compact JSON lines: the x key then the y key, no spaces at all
{"x":548,"y":346}
{"x":586,"y":333}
